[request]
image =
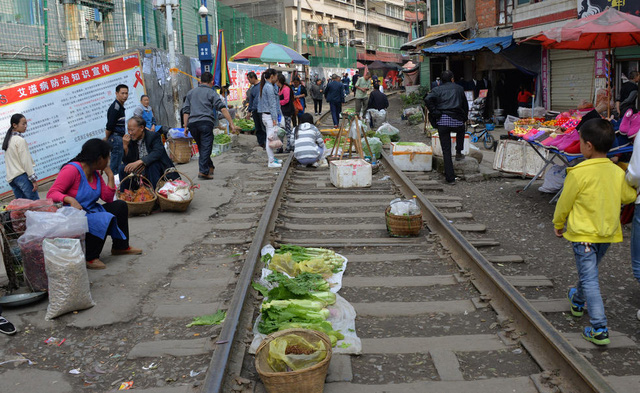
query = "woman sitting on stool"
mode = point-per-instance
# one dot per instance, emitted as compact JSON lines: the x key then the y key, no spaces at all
{"x":80,"y":184}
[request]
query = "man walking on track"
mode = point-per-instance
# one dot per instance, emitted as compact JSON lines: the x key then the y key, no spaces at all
{"x":334,"y":92}
{"x":199,"y":110}
{"x":449,"y":110}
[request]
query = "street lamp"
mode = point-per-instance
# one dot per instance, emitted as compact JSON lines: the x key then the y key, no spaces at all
{"x":204,"y":41}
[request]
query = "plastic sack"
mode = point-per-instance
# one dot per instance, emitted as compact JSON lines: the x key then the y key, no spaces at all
{"x":274,"y":141}
{"x":281,"y":132}
{"x":376,"y":146}
{"x":352,"y":129}
{"x":411,"y":111}
{"x":176,"y":190}
{"x":284,"y":263}
{"x":177,"y":133}
{"x":377,"y":117}
{"x":67,"y":222}
{"x":404,"y":207}
{"x":18,"y":207}
{"x":509,"y":123}
{"x":538,"y":111}
{"x":303,"y":354}
{"x":388,"y":129}
{"x":68,"y":279}
{"x":553,"y":179}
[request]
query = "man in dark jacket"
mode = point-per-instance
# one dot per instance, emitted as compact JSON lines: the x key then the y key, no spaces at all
{"x":377,"y":99}
{"x":144,"y":153}
{"x":449,"y":109}
{"x":334,"y":93}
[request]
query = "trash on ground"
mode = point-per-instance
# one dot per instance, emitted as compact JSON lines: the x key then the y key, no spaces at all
{"x":55,"y":341}
{"x":126,"y":385}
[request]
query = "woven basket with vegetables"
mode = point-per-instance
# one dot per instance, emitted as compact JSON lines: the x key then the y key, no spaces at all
{"x":138,"y":194}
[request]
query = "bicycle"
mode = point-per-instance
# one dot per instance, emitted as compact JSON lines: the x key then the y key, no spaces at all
{"x":484,"y":134}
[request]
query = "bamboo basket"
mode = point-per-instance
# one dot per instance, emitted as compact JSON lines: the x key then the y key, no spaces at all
{"x":167,"y":205}
{"x":308,"y":380}
{"x":180,"y":150}
{"x":139,"y":208}
{"x":403,"y":226}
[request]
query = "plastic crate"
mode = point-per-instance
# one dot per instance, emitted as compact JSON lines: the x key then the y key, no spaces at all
{"x":219,"y":149}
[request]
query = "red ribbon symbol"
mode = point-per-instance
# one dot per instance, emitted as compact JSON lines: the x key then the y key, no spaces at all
{"x":138,"y":79}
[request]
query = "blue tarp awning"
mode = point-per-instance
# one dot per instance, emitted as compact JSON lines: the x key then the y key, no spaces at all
{"x":494,"y":44}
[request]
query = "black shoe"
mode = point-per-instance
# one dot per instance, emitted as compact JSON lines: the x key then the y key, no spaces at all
{"x":459,"y":156}
{"x":7,"y":327}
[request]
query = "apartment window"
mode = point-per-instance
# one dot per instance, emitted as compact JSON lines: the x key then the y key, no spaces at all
{"x":447,"y":11}
{"x":390,"y":41}
{"x":394,"y":11}
{"x":505,"y":10}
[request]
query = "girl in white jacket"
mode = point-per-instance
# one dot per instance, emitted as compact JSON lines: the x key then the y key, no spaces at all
{"x":17,"y":159}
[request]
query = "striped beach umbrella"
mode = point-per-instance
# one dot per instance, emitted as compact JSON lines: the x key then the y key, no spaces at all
{"x":268,"y":52}
{"x":220,"y":67}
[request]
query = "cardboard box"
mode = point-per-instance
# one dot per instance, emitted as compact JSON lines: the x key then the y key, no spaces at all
{"x":418,"y":157}
{"x":350,"y":173}
{"x":519,"y":157}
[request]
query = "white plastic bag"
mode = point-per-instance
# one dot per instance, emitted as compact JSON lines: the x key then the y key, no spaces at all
{"x":67,"y":222}
{"x":509,"y":124}
{"x":538,"y":111}
{"x":553,"y":179}
{"x":68,"y":279}
{"x":404,"y":207}
{"x":377,"y":117}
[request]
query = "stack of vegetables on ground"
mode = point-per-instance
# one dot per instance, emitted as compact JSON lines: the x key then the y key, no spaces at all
{"x":294,"y":260}
{"x":298,"y":302}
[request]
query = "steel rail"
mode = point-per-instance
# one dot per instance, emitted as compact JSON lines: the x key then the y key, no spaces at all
{"x":548,"y":347}
{"x":217,"y":370}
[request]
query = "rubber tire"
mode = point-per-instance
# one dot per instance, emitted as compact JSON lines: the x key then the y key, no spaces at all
{"x":488,"y":141}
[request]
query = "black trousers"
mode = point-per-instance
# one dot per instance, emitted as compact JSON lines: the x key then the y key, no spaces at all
{"x":317,"y":105}
{"x":94,"y":244}
{"x":445,"y":142}
{"x":261,"y":134}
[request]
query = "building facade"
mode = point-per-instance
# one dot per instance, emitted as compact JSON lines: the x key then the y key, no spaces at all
{"x":375,"y":28}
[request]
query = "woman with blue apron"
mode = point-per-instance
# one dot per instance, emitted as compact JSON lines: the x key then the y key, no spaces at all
{"x":108,"y":219}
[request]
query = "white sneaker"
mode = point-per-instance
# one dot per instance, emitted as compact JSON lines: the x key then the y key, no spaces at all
{"x":275,"y":165}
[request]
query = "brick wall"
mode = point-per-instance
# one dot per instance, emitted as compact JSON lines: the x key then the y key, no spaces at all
{"x":486,"y":13}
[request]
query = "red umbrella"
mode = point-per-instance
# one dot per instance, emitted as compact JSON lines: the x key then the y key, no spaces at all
{"x":606,"y":30}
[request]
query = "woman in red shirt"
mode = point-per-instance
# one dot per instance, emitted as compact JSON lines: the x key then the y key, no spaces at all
{"x":524,"y":97}
{"x":80,"y":184}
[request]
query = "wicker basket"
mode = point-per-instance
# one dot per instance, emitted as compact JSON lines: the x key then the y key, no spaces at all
{"x":308,"y":380}
{"x":180,"y":150}
{"x":167,"y":205}
{"x":403,"y":226}
{"x":139,"y":208}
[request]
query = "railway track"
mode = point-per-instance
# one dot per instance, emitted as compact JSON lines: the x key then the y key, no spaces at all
{"x":433,"y":313}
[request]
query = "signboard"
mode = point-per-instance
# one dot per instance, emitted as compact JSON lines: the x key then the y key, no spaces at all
{"x":65,"y":109}
{"x":545,"y":78}
{"x":592,"y":7}
{"x":239,"y":82}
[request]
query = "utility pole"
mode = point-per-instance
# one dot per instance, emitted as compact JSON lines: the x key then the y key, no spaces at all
{"x":168,"y":7}
{"x":300,"y":26}
{"x":72,"y":25}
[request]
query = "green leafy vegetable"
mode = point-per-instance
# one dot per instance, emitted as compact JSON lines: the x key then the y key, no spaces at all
{"x":213,"y":319}
{"x":222,"y":139}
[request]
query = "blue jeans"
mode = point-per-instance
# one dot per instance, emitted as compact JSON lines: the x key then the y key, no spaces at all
{"x":635,"y":243}
{"x":117,"y":152}
{"x":588,"y":258}
{"x":23,"y":188}
{"x":336,"y":109}
{"x":202,"y":132}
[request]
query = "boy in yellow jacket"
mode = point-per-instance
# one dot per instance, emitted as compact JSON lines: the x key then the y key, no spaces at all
{"x":591,"y":198}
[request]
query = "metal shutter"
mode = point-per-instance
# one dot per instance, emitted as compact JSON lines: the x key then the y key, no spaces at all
{"x":572,"y":78}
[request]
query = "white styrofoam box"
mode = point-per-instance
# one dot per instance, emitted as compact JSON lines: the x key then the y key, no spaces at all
{"x":519,"y":157}
{"x":437,"y":149}
{"x":350,"y":173}
{"x":418,"y":157}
